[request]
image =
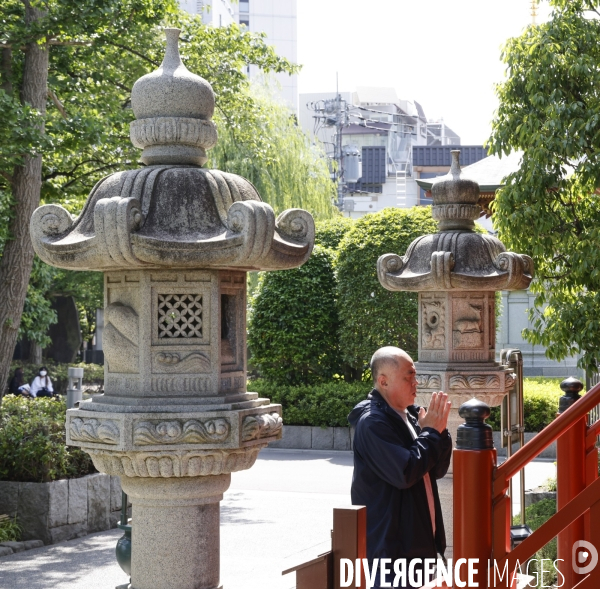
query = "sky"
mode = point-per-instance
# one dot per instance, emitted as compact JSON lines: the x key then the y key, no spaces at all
{"x":444,"y":54}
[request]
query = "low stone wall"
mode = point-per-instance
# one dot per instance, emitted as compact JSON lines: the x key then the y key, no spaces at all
{"x":65,"y":509}
{"x":306,"y":437}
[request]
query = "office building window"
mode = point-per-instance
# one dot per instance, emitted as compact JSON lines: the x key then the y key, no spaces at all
{"x":245,"y":21}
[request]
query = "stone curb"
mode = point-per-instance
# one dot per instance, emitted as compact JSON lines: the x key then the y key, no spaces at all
{"x":8,"y":548}
{"x":306,"y":437}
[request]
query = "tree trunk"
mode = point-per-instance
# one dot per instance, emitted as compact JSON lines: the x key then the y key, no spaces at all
{"x":35,"y":353}
{"x":17,"y":257}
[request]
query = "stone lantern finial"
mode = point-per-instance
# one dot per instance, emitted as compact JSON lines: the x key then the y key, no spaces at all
{"x":455,"y":200}
{"x":173,"y":109}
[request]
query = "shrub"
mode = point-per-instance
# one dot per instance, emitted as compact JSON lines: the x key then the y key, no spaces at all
{"x":370,"y":316}
{"x":32,"y":442}
{"x":326,"y":404}
{"x":540,"y":403}
{"x":293,"y":328}
{"x":536,"y":515}
{"x":329,"y":233}
{"x":93,"y":374}
{"x":10,"y":530}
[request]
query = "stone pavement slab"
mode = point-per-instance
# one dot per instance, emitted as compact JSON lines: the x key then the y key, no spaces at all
{"x":276,"y":514}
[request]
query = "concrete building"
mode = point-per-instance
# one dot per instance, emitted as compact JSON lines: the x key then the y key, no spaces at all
{"x":219,"y":13}
{"x":388,"y":133}
{"x":276,"y":18}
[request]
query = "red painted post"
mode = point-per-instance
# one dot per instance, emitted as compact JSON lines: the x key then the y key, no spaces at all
{"x":474,"y":462}
{"x":570,"y":478}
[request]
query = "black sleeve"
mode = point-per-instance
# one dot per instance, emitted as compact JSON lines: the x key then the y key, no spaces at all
{"x":443,"y":463}
{"x":380,"y":446}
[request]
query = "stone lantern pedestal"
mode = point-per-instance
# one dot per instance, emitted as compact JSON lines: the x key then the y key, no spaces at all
{"x":457,"y":272}
{"x":174,"y":241}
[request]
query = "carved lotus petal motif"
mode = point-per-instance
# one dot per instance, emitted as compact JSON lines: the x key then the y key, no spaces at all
{"x":94,"y":430}
{"x":474,"y":382}
{"x":193,"y":431}
{"x":261,"y":426}
{"x":173,"y":463}
{"x":429,"y":381}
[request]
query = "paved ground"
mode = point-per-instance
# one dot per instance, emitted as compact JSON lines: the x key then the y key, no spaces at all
{"x":273,"y":515}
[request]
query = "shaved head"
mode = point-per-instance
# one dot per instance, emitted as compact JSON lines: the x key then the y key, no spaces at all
{"x":387,"y":357}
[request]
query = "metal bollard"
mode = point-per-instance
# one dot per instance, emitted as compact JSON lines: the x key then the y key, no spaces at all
{"x":74,"y":388}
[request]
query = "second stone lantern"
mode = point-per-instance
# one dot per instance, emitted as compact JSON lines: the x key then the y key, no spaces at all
{"x":456,"y":272}
{"x":174,"y":241}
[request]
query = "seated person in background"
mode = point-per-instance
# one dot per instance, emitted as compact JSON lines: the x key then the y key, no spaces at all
{"x":42,"y":385}
{"x":16,"y":386}
{"x":16,"y":382}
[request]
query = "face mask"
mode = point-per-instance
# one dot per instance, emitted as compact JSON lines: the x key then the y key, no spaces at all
{"x":43,"y":373}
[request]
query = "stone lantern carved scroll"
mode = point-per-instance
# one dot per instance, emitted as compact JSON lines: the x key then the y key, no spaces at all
{"x":174,"y":241}
{"x":456,"y":272}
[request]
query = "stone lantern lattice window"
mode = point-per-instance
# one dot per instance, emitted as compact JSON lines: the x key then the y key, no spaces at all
{"x":179,"y":315}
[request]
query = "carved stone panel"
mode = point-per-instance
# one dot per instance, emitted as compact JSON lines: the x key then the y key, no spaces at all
{"x":265,"y":425}
{"x":100,"y":431}
{"x":121,"y":338}
{"x":177,"y":431}
{"x":433,"y":323}
{"x":172,"y":361}
{"x":467,"y":323}
{"x":429,"y":381}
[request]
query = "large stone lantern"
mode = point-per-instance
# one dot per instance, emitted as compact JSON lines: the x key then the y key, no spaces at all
{"x":174,"y":241}
{"x":456,"y":272}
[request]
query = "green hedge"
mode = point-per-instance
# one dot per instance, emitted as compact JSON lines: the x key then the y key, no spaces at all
{"x":328,"y":404}
{"x":540,"y":403}
{"x":293,"y":328}
{"x":370,"y":315}
{"x":32,"y":442}
{"x":93,"y":374}
{"x":325,"y":405}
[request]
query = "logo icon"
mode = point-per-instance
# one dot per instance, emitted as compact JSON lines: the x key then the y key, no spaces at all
{"x":523,"y":580}
{"x":581,"y":556}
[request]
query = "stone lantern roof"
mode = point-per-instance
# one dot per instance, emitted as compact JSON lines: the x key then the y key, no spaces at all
{"x":172,"y":213}
{"x":456,"y":257}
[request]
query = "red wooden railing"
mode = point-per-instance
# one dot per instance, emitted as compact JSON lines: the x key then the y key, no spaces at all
{"x":484,"y":533}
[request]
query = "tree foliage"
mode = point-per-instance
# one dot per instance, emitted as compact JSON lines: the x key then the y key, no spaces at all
{"x":550,"y":209}
{"x":286,"y":170}
{"x":293,"y":329}
{"x":371,"y":316}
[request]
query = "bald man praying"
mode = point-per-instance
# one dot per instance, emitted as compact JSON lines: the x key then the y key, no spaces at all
{"x":400,"y":450}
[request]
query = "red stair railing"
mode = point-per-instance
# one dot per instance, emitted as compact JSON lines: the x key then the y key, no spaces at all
{"x":482,"y":506}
